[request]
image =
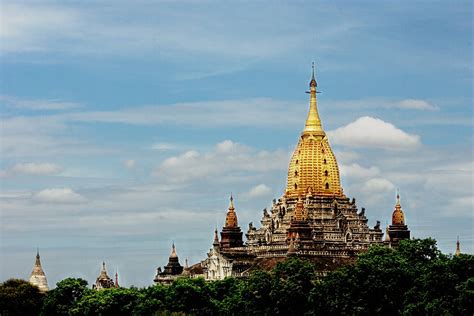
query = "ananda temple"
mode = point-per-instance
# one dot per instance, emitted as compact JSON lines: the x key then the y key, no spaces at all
{"x":313,"y":219}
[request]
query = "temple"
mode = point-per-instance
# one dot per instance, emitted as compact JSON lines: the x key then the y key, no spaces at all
{"x":103,"y":281}
{"x":313,"y":219}
{"x":37,"y":277}
{"x":171,"y":271}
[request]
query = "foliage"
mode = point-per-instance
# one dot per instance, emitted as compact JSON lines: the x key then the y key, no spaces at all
{"x":414,"y":279}
{"x":62,"y":299}
{"x":292,"y":282}
{"x":189,"y":296}
{"x":19,"y":297}
{"x":113,"y":301}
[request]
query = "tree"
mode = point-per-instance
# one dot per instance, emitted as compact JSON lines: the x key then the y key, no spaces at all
{"x":226,"y":296}
{"x":19,"y":297}
{"x":151,"y":300}
{"x":292,"y":282}
{"x":62,"y":299}
{"x":189,"y":296}
{"x":415,"y":279}
{"x":257,"y":293}
{"x":113,"y":301}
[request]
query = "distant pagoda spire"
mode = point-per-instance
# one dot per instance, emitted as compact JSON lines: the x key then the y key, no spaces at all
{"x":173,"y":251}
{"x":458,"y":247}
{"x":38,"y":277}
{"x":103,"y":271}
{"x":103,"y":281}
{"x":216,"y":238}
{"x":116,"y":279}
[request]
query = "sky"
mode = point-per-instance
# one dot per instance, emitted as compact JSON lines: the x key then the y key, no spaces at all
{"x":125,"y":126}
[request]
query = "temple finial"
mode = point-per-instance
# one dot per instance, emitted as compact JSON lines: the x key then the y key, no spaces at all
{"x":231,"y":204}
{"x":313,"y":123}
{"x":458,"y":247}
{"x":216,"y":238}
{"x":313,"y":83}
{"x":398,"y":196}
{"x":173,"y":251}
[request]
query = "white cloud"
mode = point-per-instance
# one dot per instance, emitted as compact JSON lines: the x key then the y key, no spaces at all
{"x":415,"y":104}
{"x":223,"y":113}
{"x":32,"y":168}
{"x":59,"y":196}
{"x":367,"y":131}
{"x":164,"y":146}
{"x":42,"y":136}
{"x":226,"y":159}
{"x":346,"y":156}
{"x":130,"y":163}
{"x":170,"y":32}
{"x":355,"y":170}
{"x":259,"y":191}
{"x":460,"y":206}
{"x":34,"y":104}
{"x":24,"y":28}
{"x":377,"y":185}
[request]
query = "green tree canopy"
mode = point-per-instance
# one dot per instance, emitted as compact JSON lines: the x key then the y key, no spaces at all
{"x":62,"y":299}
{"x":19,"y":297}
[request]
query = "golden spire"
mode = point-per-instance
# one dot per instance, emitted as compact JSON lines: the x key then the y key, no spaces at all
{"x":313,"y":122}
{"x":231,"y":218}
{"x":458,"y":247}
{"x":313,"y":168}
{"x":398,"y":218}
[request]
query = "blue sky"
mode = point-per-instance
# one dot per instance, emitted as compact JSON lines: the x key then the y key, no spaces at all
{"x":125,"y":126}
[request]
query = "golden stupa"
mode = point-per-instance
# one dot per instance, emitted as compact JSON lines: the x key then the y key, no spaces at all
{"x":398,"y":218}
{"x":313,"y":167}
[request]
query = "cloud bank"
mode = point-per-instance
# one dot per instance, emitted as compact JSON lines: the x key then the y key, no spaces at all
{"x":368,"y":131}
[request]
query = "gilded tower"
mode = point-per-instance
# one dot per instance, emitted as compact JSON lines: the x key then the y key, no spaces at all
{"x":37,"y":277}
{"x":314,"y":213}
{"x":313,"y":166}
